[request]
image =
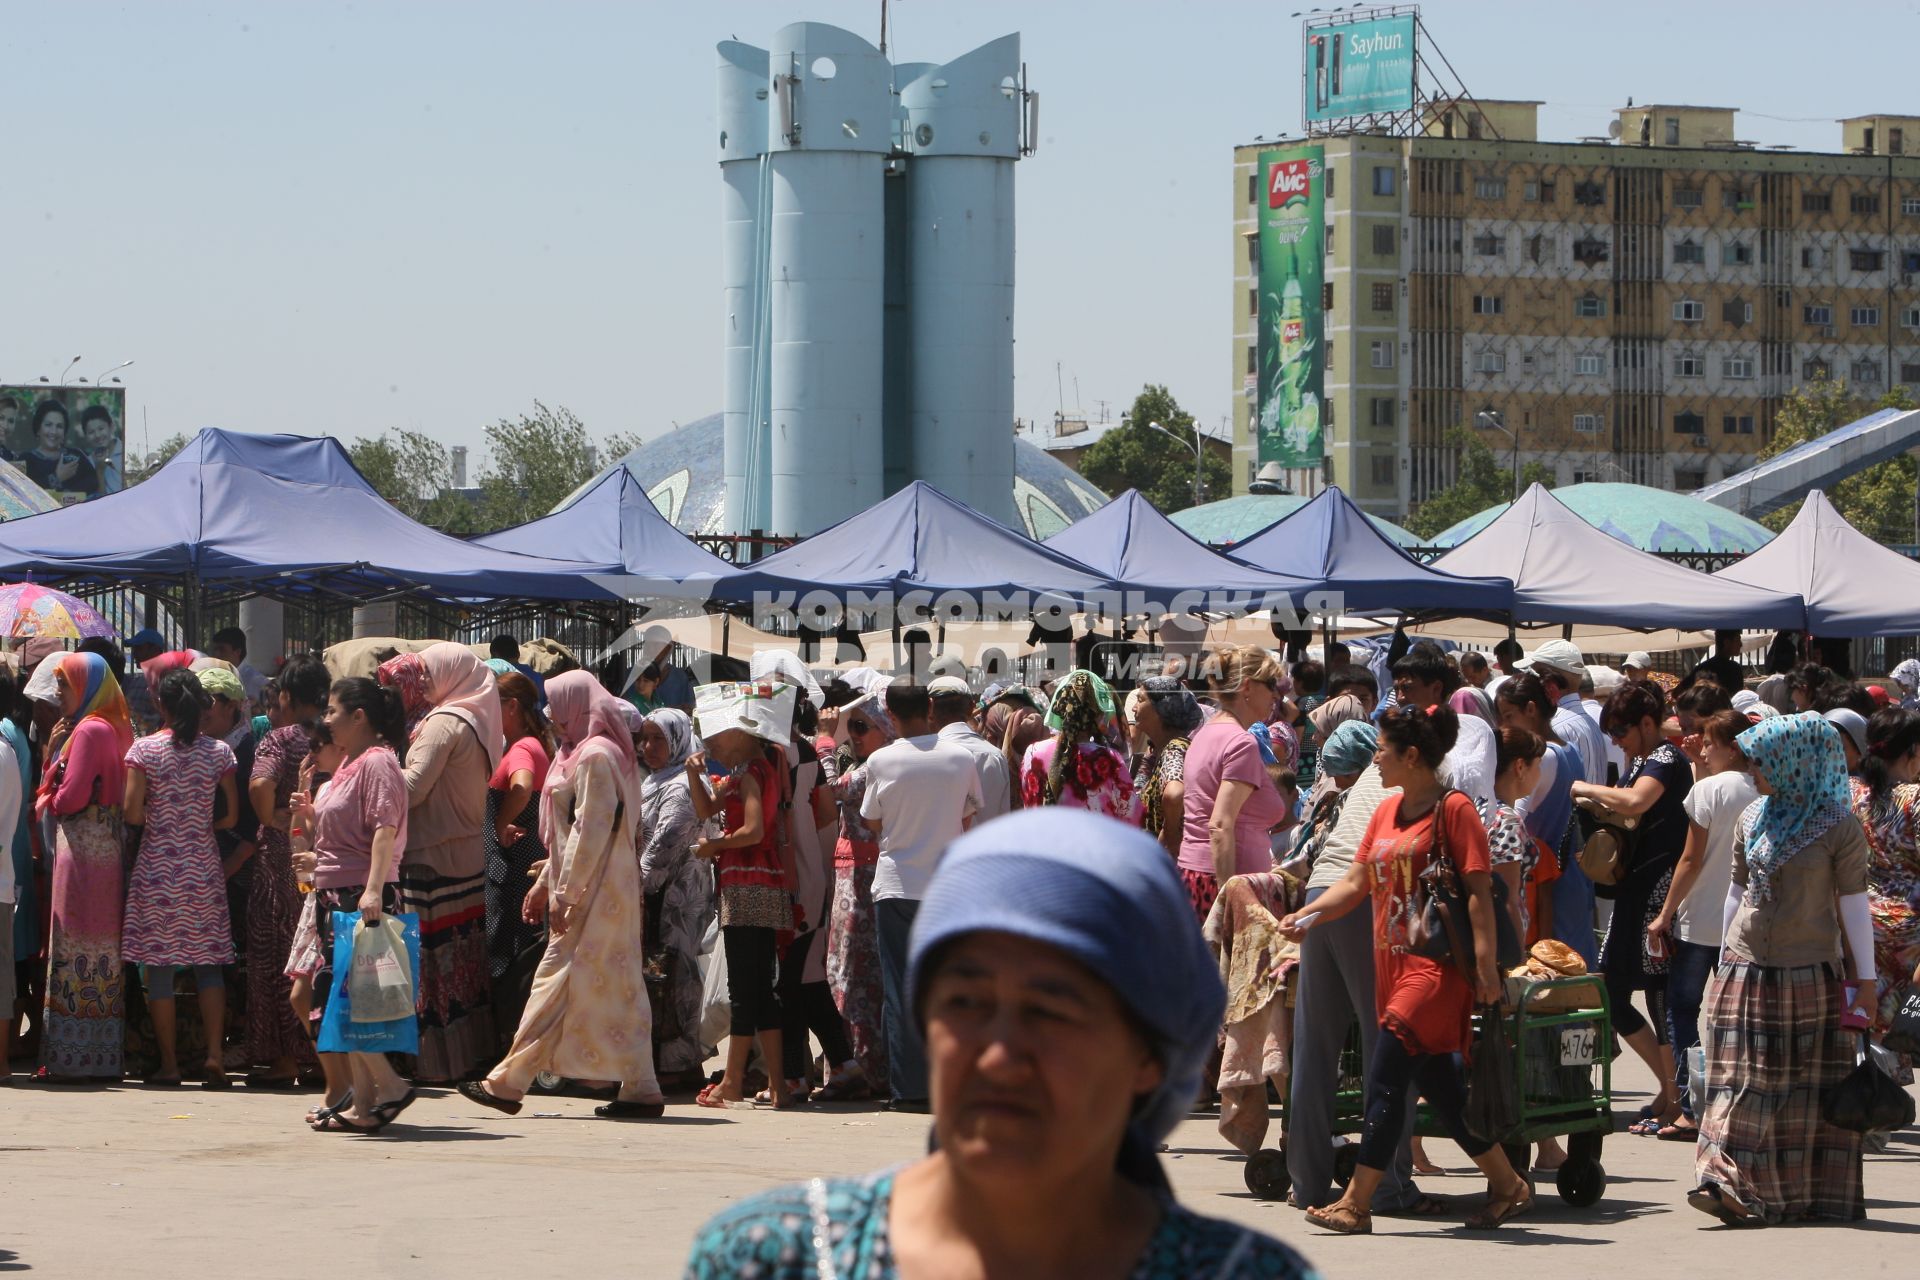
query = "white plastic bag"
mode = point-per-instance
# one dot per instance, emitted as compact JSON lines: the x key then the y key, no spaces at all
{"x":380,"y":987}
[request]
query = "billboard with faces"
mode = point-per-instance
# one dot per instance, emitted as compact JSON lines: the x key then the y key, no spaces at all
{"x":71,"y":441}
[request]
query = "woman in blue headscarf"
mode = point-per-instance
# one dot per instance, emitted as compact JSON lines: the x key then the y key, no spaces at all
{"x":1773,"y":1014}
{"x":1069,"y":1006}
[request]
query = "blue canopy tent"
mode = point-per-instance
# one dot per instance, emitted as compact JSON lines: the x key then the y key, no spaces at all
{"x":277,"y":515}
{"x":632,"y":548}
{"x":1330,"y":541}
{"x":1131,"y":542}
{"x":1567,"y":572}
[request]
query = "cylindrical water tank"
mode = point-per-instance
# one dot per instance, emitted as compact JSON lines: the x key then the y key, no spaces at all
{"x":743,"y":113}
{"x":830,"y":132}
{"x":963,"y":130}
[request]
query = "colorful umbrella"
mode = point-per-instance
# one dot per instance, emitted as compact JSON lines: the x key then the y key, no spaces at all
{"x":28,"y":609}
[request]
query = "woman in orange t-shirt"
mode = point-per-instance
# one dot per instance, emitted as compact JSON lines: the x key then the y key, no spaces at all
{"x":1425,"y":1006}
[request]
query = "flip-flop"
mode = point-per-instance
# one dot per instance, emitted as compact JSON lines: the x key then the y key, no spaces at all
{"x":1678,"y":1133}
{"x":475,"y":1091}
{"x":337,"y":1122}
{"x":1489,"y":1218}
{"x":388,"y":1112}
{"x":1707,"y":1200}
{"x":710,"y":1098}
{"x":1644,"y":1128}
{"x":1341,"y":1220}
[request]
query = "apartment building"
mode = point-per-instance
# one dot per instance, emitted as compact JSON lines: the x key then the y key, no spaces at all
{"x":1629,"y":307}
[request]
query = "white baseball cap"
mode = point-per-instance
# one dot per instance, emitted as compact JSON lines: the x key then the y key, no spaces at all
{"x":947,"y":684}
{"x":1639,"y":660}
{"x":1561,"y":655}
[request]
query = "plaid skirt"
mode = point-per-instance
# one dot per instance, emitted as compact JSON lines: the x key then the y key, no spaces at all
{"x":1773,"y":1045}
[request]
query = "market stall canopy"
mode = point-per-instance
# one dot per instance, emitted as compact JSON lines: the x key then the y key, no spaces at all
{"x":1130,"y":541}
{"x":282,"y":514}
{"x":920,"y":540}
{"x":1330,"y":541}
{"x":1226,"y":521}
{"x":615,"y":526}
{"x":1852,"y":585}
{"x":1566,"y":571}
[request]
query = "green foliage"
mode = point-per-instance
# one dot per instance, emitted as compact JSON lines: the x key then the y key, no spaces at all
{"x":413,"y":471}
{"x":140,"y":467}
{"x":1134,"y":456}
{"x":1481,"y":482}
{"x":533,"y":463}
{"x":1879,"y":501}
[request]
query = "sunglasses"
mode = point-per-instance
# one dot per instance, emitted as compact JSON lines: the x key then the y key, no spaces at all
{"x":858,"y":726}
{"x":1618,"y":733}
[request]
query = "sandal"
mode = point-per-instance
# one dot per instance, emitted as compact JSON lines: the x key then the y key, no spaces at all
{"x":1678,"y":1133}
{"x":711,"y":1099}
{"x":337,"y":1122}
{"x":1709,"y":1201}
{"x":1341,"y":1220}
{"x":476,"y":1091}
{"x":1425,"y":1207}
{"x":1647,"y":1128}
{"x":1500,"y":1211}
{"x":618,"y":1110}
{"x":388,"y":1112}
{"x":324,"y":1110}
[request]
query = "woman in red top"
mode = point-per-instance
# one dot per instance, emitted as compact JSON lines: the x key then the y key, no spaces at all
{"x":1426,"y":1006}
{"x":514,"y":848}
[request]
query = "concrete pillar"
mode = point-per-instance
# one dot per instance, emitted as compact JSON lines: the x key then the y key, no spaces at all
{"x":382,"y":619}
{"x":265,"y":622}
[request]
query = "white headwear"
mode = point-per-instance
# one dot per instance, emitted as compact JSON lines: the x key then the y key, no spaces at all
{"x":786,"y":664}
{"x":762,"y":708}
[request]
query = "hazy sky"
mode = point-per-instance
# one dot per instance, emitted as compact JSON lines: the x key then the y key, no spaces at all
{"x":338,"y":218}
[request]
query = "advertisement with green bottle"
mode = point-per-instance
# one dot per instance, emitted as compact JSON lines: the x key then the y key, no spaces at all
{"x":1292,"y":214}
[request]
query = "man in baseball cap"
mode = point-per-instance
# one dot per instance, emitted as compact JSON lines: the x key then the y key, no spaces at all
{"x":951,"y":703}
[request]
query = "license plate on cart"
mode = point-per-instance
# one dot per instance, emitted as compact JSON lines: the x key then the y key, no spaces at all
{"x":1577,"y":1045}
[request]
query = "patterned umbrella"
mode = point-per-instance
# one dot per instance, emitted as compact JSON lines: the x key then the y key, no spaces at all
{"x":28,"y":609}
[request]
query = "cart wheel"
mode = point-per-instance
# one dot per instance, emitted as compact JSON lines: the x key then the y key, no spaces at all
{"x":1520,"y":1156}
{"x":1580,"y":1182}
{"x":548,"y":1082}
{"x":1266,"y":1174}
{"x":1345,"y":1160}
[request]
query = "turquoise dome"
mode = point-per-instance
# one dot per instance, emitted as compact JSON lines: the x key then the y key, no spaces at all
{"x":1643,"y":517}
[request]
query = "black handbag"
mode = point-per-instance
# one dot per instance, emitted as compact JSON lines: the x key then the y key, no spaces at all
{"x":1442,"y":926}
{"x":1492,"y":1112}
{"x":1867,"y":1100}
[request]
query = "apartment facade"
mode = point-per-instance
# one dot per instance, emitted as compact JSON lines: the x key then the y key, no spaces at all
{"x":1632,"y":307}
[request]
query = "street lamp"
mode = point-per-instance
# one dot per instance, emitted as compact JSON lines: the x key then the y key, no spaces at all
{"x":1193,"y":444}
{"x":1492,"y":418}
{"x":101,"y":379}
{"x":64,"y":372}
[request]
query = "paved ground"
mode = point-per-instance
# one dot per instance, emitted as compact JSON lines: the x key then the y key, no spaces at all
{"x":128,"y":1182}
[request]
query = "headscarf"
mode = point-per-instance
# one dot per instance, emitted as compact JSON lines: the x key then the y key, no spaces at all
{"x":1175,"y":704}
{"x":1082,"y":704}
{"x":1907,"y":676}
{"x":1031,"y":730}
{"x":500,"y":666}
{"x":1350,"y":748}
{"x":447,"y":679}
{"x":1469,"y":701}
{"x":99,"y":696}
{"x":174,"y":660}
{"x":1107,"y":896}
{"x":1806,"y":772}
{"x":221,"y":684}
{"x":786,"y":664}
{"x":588,"y":719}
{"x":677,"y":727}
{"x":996,"y":693}
{"x":873,"y":708}
{"x":1334,"y":712}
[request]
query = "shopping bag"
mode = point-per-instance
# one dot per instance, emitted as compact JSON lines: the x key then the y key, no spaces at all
{"x":380,"y":988}
{"x":1492,"y":1108}
{"x":1904,"y":1035}
{"x":339,"y":1033}
{"x":1869,"y":1098}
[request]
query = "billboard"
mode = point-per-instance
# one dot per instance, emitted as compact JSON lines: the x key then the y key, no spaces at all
{"x":71,"y":441}
{"x":1291,"y":347}
{"x":1358,"y":68}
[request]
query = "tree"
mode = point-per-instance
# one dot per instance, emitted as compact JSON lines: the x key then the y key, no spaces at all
{"x":1134,"y":456}
{"x":1480,"y":483}
{"x":1879,"y":501}
{"x":533,"y":463}
{"x":139,"y":468}
{"x":414,"y":472}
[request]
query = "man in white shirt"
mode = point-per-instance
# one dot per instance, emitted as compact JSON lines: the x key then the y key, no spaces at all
{"x":9,"y":891}
{"x":1422,"y":678}
{"x":229,"y":644}
{"x":1561,"y":667}
{"x":1506,"y":656}
{"x":921,"y":794}
{"x":952,"y":702}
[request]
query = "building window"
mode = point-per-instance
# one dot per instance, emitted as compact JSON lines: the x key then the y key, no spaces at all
{"x":1253,"y":357}
{"x":1863,"y":203}
{"x":1382,"y":411}
{"x":1253,"y":187}
{"x":1328,"y":239}
{"x":1589,"y":251}
{"x":1867,"y":259}
{"x":1491,"y":362}
{"x":1587,"y":422}
{"x":1488,"y":304}
{"x":1737,"y":367}
{"x":1382,"y":355}
{"x":1253,"y":254}
{"x":1815,"y":370}
{"x":1381,"y":467}
{"x":1688,"y":364}
{"x":1813,"y":257}
{"x":1867,"y":371}
{"x":1490,"y":246}
{"x":1687,"y":479}
{"x":1736,"y":313}
{"x":1253,"y":302}
{"x":1589,"y":306}
{"x":1687,"y":251}
{"x":1689,"y":311}
{"x":1384,"y":176}
{"x":1536,"y":248}
{"x":1385,"y":243}
{"x":1818,"y":315}
{"x":1689,"y":423}
{"x":1487,"y":188}
{"x":1590,"y":365}
{"x":1910,"y":261}
{"x":1590,"y":193}
{"x":1896,"y":142}
{"x":1326,"y":297}
{"x":1673,"y":131}
{"x":1326,"y":189}
{"x":1910,"y":317}
{"x":1863,"y":317}
{"x":1383,"y":298}
{"x":1910,"y":206}
{"x":1816,"y":202}
{"x":1737,"y":424}
{"x":1909,"y":371}
{"x":1734,"y":197}
{"x":1530,"y":192}
{"x":1736,"y":253}
{"x":1687,"y":198}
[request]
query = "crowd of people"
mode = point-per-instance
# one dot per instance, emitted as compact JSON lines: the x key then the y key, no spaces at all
{"x":589,"y":864}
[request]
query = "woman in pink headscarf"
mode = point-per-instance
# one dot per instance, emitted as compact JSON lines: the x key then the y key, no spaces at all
{"x":454,"y":742}
{"x":588,"y":1017}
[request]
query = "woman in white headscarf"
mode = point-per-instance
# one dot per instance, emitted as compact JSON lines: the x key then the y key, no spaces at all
{"x":679,"y":890}
{"x":1907,"y":677}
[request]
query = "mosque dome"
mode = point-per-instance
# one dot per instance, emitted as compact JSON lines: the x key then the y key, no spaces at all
{"x":1640,"y":516}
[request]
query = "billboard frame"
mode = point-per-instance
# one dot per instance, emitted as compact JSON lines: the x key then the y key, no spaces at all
{"x":1392,"y":120}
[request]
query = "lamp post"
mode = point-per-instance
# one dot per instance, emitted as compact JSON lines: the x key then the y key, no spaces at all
{"x":1492,"y":418}
{"x":1193,"y":444}
{"x":64,"y":372}
{"x":100,"y":380}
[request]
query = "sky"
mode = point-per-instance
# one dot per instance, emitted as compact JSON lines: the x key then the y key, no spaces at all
{"x":328,"y":218}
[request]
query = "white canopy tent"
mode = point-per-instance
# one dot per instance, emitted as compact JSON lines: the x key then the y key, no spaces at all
{"x":1852,"y":585}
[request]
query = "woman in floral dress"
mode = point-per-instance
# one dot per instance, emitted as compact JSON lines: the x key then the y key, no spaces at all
{"x":853,"y":945}
{"x":1076,"y":768}
{"x":1887,"y":802}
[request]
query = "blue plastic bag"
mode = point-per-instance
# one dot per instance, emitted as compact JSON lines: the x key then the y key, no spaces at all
{"x":339,"y":1033}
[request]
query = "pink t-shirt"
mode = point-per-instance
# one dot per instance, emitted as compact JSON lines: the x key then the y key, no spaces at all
{"x":523,"y":753}
{"x":368,"y":793}
{"x":95,"y":772}
{"x":1221,"y":750}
